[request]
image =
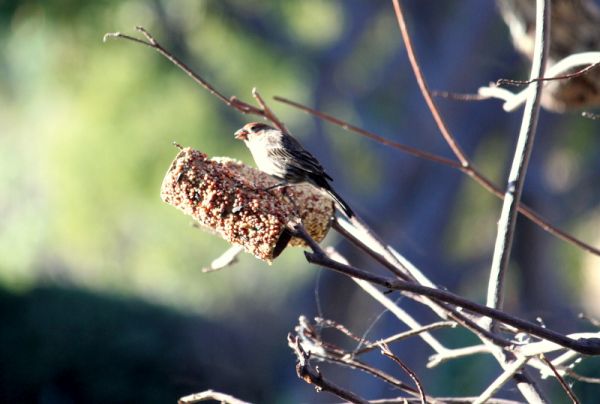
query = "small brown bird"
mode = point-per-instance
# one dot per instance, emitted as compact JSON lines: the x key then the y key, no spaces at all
{"x":281,"y":156}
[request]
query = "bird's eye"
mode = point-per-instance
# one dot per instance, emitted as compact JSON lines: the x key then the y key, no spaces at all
{"x":256,"y":128}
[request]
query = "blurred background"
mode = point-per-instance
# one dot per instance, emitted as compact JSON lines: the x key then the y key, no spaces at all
{"x":101,"y":294}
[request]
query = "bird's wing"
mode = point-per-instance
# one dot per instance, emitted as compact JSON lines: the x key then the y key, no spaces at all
{"x":299,"y":158}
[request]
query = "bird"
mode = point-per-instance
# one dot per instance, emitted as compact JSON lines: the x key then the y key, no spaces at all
{"x":281,"y":156}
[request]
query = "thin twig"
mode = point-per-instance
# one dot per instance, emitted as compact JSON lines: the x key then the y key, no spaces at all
{"x":311,"y":375}
{"x":512,"y":101}
{"x":227,"y":258}
{"x":560,"y":379}
{"x":581,"y":378}
{"x":232,"y":101}
{"x":210,"y":395}
{"x":509,"y":372}
{"x":323,"y":322}
{"x":268,"y":113}
{"x":380,"y":139}
{"x":457,"y":400}
{"x":516,"y":179}
{"x":385,"y":350}
{"x":448,"y":137}
{"x":438,"y":358}
{"x":407,"y":334}
{"x":590,"y":115}
{"x":330,"y":353}
{"x":587,"y":346}
{"x":372,"y":246}
{"x":470,"y":170}
{"x":459,"y":96}
{"x":559,"y":77}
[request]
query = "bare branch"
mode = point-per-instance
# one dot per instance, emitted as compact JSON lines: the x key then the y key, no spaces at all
{"x":590,"y":115}
{"x":516,"y":179}
{"x":232,"y":101}
{"x":228,"y":258}
{"x":439,"y":358}
{"x":267,"y":111}
{"x":559,"y":77}
{"x":448,"y":137}
{"x":509,"y":372}
{"x":210,"y":395}
{"x":387,"y":352}
{"x":588,"y":346}
{"x":512,"y":101}
{"x":311,"y":375}
{"x":562,"y":382}
{"x":407,"y":334}
{"x":380,"y":139}
{"x":470,"y":170}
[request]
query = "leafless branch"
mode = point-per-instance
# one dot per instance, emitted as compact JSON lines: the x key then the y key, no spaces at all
{"x":469,"y":170}
{"x":562,"y":382}
{"x":516,"y":178}
{"x":512,"y":101}
{"x":406,"y":334}
{"x":210,"y":395}
{"x":509,"y":372}
{"x":448,"y":137}
{"x":385,"y":350}
{"x":227,"y":258}
{"x":311,"y":375}
{"x":232,"y":101}
{"x":438,"y":358}
{"x":559,"y":77}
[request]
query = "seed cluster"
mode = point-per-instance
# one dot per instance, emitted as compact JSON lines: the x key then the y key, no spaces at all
{"x":229,"y":198}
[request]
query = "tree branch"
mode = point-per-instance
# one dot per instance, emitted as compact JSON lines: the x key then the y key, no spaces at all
{"x":516,"y":178}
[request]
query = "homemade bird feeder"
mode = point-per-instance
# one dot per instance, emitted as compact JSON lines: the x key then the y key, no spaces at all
{"x":231,"y":199}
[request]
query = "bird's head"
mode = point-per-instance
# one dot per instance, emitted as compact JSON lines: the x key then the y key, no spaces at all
{"x":251,"y":131}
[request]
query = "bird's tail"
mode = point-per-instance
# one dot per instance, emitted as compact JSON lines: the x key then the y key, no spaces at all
{"x":340,"y":202}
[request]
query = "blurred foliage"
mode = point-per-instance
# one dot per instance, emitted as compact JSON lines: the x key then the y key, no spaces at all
{"x":85,"y":139}
{"x":61,"y":345}
{"x":87,"y":130}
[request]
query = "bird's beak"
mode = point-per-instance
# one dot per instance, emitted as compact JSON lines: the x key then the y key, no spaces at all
{"x":241,"y":134}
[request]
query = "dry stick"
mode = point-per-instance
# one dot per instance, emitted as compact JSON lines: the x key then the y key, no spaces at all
{"x":588,"y":346}
{"x":518,"y":171}
{"x":561,"y":77}
{"x":210,"y":395}
{"x":380,"y":139}
{"x":440,"y":349}
{"x":328,"y":352}
{"x":581,"y":378}
{"x":509,"y":372}
{"x":436,"y":359}
{"x":269,"y":114}
{"x":560,"y":379}
{"x":440,"y":308}
{"x":386,"y":302}
{"x":457,"y":400}
{"x":590,"y":115}
{"x":406,"y":334}
{"x":151,"y":42}
{"x":385,"y":350}
{"x":513,"y":101}
{"x":448,"y":137}
{"x":348,"y":361}
{"x":459,"y":96}
{"x":311,"y":375}
{"x":469,"y":170}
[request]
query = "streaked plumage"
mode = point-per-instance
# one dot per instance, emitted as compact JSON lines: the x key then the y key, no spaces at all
{"x":283,"y":157}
